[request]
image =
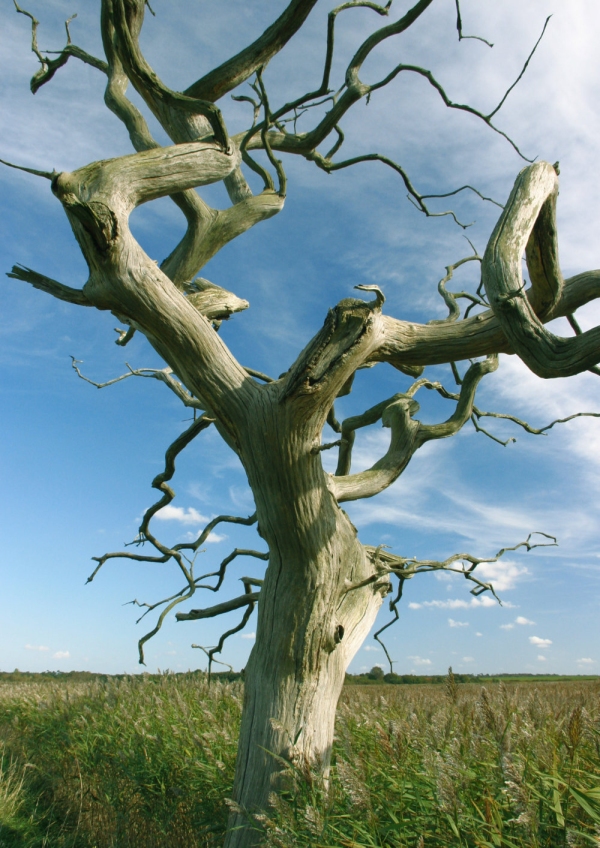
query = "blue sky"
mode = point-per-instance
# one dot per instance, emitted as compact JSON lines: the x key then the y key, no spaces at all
{"x":77,"y":462}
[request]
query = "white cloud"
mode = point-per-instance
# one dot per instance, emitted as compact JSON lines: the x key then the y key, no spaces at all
{"x":503,"y":575}
{"x":586,"y":661}
{"x":249,"y":635}
{"x":454,"y":623}
{"x":468,"y":659}
{"x":61,"y":655}
{"x":541,"y":658}
{"x":37,"y":648}
{"x":540,"y":643}
{"x":178,"y":513}
{"x":458,"y":603}
{"x":215,"y":538}
{"x":420,"y":660}
{"x":451,"y":603}
{"x":371,"y":648}
{"x":506,"y":626}
{"x":520,"y":619}
{"x":479,"y":634}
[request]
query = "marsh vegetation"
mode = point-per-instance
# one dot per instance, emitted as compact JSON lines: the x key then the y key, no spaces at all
{"x":148,"y":762}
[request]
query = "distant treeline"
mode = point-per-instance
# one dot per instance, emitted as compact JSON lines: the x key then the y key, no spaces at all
{"x":378,"y":676}
{"x":375,"y":676}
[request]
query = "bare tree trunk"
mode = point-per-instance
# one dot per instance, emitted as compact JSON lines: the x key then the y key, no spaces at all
{"x":310,"y":622}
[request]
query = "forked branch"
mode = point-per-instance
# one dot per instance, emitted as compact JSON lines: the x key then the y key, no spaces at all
{"x":178,"y":552}
{"x":459,"y":27}
{"x":386,"y":564}
{"x":407,"y":436}
{"x":50,"y":66}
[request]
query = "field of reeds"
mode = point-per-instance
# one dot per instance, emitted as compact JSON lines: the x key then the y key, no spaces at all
{"x":148,"y":762}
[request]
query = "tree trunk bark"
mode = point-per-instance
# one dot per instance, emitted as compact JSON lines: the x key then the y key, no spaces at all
{"x":310,"y":623}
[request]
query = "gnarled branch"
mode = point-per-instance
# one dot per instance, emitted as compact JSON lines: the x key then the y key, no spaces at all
{"x":408,"y":436}
{"x":405,"y":343}
{"x":404,"y":569}
{"x":50,"y":66}
{"x":529,"y":216}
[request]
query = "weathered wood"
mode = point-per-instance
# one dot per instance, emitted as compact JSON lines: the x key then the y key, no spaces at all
{"x":533,"y":201}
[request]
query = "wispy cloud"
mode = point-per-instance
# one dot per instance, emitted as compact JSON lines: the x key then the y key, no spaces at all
{"x":586,"y":661}
{"x":61,"y":655}
{"x":454,"y":623}
{"x":456,"y":603}
{"x":370,"y":648}
{"x":420,"y":660}
{"x":37,"y":647}
{"x":249,"y":635}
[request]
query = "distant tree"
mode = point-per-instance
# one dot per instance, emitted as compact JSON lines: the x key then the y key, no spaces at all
{"x":322,"y":588}
{"x":376,"y":673}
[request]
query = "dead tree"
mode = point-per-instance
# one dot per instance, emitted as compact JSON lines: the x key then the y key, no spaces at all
{"x":322,"y":588}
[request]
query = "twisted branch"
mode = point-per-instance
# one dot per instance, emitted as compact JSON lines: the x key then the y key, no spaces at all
{"x":165,"y":553}
{"x":408,"y":435}
{"x":450,"y":298}
{"x":529,"y":220}
{"x":50,"y":66}
{"x":404,"y":569}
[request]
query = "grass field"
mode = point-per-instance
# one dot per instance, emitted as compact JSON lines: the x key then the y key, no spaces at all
{"x":148,"y":762}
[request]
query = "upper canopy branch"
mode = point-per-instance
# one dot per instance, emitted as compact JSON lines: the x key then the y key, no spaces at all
{"x":529,"y":216}
{"x":354,"y":89}
{"x":163,"y":102}
{"x":205,"y":236}
{"x":415,"y":197}
{"x":464,"y":407}
{"x":324,"y":89}
{"x":405,"y":343}
{"x":232,"y":73}
{"x":50,"y":66}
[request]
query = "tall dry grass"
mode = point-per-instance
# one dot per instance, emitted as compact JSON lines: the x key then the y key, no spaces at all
{"x":148,"y":762}
{"x":144,"y":762}
{"x":417,"y":767}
